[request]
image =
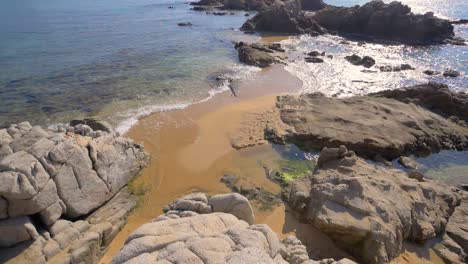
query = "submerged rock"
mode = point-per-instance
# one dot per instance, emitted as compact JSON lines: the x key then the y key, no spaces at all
{"x":431,"y":72}
{"x":370,"y":210}
{"x":365,"y":61}
{"x":184,"y":24}
{"x":313,"y":60}
{"x":370,"y":125}
{"x":451,"y":73}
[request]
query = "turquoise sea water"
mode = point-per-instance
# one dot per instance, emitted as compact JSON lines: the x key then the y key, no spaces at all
{"x":122,"y":59}
{"x":60,"y":59}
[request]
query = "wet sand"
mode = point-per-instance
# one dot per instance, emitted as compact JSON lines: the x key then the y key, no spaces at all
{"x":192,"y":149}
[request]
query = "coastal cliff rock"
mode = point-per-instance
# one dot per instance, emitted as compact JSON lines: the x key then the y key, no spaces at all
{"x":284,"y":17}
{"x":392,"y":21}
{"x":203,"y":236}
{"x":259,"y":55}
{"x":376,"y":19}
{"x":46,"y":175}
{"x":434,"y":96}
{"x":370,"y":210}
{"x":68,"y":242}
{"x":370,"y":125}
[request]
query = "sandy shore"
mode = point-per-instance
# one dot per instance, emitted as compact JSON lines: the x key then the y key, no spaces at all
{"x":193,"y":148}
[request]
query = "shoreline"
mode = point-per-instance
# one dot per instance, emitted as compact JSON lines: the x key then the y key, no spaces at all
{"x":180,"y":135}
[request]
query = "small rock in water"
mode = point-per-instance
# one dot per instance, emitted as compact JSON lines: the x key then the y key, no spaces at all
{"x":451,"y":73}
{"x":366,"y":61}
{"x":246,"y":14}
{"x":170,"y":7}
{"x":313,"y":60}
{"x":416,"y":175}
{"x":401,"y":67}
{"x":408,"y":163}
{"x":316,"y":53}
{"x":431,"y":72}
{"x":184,"y":24}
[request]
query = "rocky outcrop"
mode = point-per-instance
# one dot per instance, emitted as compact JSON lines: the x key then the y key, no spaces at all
{"x":393,"y":21}
{"x":68,"y":242}
{"x":204,"y":236}
{"x":46,"y":175}
{"x":258,"y":54}
{"x":284,"y":17}
{"x":436,"y":97}
{"x":372,"y":126}
{"x":369,"y":209}
{"x":256,"y":5}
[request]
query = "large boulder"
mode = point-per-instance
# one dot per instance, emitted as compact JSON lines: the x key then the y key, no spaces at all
{"x":16,"y":230}
{"x":81,"y":241}
{"x":392,"y":21}
{"x":233,"y":203}
{"x":181,"y":236}
{"x":436,"y":97}
{"x":59,"y":173}
{"x":284,"y":17}
{"x":370,"y":125}
{"x":370,"y":210}
{"x":258,"y":54}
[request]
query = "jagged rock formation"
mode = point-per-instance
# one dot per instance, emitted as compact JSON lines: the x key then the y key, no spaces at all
{"x":393,"y":21}
{"x":68,"y":242}
{"x":370,"y":125}
{"x":247,"y":5}
{"x":434,"y":96}
{"x":198,"y":229}
{"x":47,"y":175}
{"x":370,"y":210}
{"x":284,"y":17}
{"x":258,"y":54}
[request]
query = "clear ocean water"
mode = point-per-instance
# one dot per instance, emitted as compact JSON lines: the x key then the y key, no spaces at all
{"x":121,"y":59}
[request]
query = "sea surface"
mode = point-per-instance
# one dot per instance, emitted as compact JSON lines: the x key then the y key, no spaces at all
{"x":337,"y":77}
{"x":123,"y":59}
{"x":119,"y":59}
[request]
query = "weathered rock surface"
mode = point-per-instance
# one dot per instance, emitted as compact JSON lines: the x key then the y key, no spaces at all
{"x":370,"y":125}
{"x":370,"y":210}
{"x":82,"y":241}
{"x":454,"y":245}
{"x":46,"y":175}
{"x":258,"y":54}
{"x":285,"y":17}
{"x":392,"y":21}
{"x":182,"y":236}
{"x":436,"y":97}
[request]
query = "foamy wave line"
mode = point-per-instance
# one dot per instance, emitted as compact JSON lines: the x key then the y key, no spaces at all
{"x":241,"y":72}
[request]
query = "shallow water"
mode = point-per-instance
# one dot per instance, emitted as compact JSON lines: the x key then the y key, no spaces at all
{"x":337,"y":77}
{"x":123,"y":59}
{"x":447,"y":166}
{"x":62,"y":59}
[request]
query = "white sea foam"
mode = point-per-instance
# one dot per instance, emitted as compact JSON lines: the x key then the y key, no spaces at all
{"x":131,"y":117}
{"x":337,"y":77}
